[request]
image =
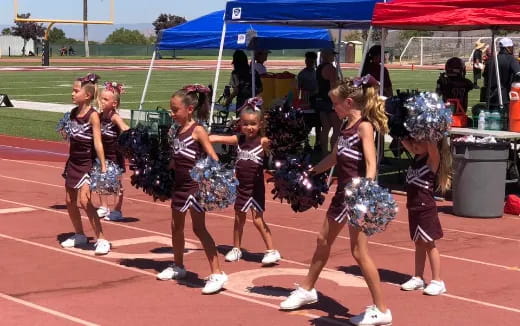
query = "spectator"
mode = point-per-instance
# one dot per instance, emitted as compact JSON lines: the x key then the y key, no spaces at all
{"x":478,"y":62}
{"x":63,"y":51}
{"x":508,"y":67}
{"x":308,"y":88}
{"x":452,"y":84}
{"x":260,"y":58}
{"x":241,"y":86}
{"x":327,"y":77}
{"x":71,"y":51}
{"x":372,"y":66}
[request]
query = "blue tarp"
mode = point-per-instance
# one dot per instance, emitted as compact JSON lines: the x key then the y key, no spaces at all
{"x":346,"y":14}
{"x":205,"y":33}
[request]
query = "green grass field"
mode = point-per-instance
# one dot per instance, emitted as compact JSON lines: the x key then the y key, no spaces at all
{"x":55,"y":87}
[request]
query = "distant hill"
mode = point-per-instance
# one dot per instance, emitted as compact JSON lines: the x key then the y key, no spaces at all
{"x":99,"y":32}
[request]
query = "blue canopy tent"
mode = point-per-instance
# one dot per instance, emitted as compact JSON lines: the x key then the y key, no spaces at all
{"x":206,"y":32}
{"x":341,"y":14}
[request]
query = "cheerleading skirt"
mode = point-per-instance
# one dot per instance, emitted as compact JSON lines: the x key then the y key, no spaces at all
{"x":184,"y":193}
{"x":250,"y":195}
{"x":424,"y":224}
{"x":76,"y":173}
{"x":338,"y":210}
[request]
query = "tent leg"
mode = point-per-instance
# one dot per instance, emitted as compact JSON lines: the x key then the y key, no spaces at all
{"x":217,"y":73}
{"x":499,"y":86}
{"x":253,"y":72}
{"x":146,"y":83}
{"x":340,"y":73}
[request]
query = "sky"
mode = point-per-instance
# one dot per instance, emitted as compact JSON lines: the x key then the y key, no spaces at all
{"x":126,"y":11}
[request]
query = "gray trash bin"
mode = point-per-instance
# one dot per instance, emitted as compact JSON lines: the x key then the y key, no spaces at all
{"x":479,"y":177}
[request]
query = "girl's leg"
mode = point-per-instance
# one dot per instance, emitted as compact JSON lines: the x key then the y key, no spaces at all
{"x":359,"y":249}
{"x":71,"y":198}
{"x":263,"y":228}
{"x":326,"y":238}
{"x":435,"y":260}
{"x":238,"y":228}
{"x":86,"y":204}
{"x":119,"y":204}
{"x":178,"y":219}
{"x":199,"y":228}
{"x":420,"y":258}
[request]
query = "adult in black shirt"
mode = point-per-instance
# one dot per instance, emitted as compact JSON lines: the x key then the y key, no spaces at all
{"x":241,"y":85}
{"x":508,"y":67}
{"x":478,"y":63}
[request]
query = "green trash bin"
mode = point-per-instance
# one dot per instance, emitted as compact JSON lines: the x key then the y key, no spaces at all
{"x":479,"y":178}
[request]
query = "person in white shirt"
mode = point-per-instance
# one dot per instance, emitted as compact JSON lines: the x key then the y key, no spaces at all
{"x":260,"y":58}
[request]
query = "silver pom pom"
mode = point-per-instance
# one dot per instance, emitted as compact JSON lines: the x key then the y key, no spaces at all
{"x":217,"y":184}
{"x":428,"y":118}
{"x":370,"y":206}
{"x":107,"y":183}
{"x":65,"y":125}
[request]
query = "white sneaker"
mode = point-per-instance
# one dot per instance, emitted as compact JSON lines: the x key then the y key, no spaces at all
{"x":435,"y":288}
{"x":415,"y":283}
{"x":114,"y":216}
{"x":298,"y":298}
{"x":234,"y":254}
{"x":102,"y":247}
{"x":74,"y":241}
{"x":271,"y":257}
{"x":372,"y":316}
{"x":102,"y":212}
{"x":172,"y":272}
{"x":214,"y":283}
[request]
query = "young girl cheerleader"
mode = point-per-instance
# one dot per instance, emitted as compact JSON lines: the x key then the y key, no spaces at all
{"x":190,"y":141}
{"x":85,"y":145}
{"x":354,"y":156}
{"x":251,"y":154}
{"x":431,"y":165}
{"x":111,"y":126}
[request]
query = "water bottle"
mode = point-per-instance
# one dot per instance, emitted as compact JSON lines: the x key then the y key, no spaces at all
{"x":481,"y":120}
{"x":495,"y":116}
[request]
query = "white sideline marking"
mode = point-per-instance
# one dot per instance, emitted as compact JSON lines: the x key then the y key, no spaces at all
{"x":226,"y":293}
{"x":34,"y":150}
{"x":46,"y":310}
{"x":243,"y":298}
{"x":16,"y":210}
{"x":270,"y":224}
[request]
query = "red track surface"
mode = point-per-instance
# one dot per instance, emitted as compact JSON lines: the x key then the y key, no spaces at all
{"x":44,"y":284}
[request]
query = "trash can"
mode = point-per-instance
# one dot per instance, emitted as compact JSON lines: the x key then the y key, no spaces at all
{"x":479,"y":177}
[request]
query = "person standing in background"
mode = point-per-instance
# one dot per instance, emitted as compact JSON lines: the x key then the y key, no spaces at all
{"x":308,"y":88}
{"x":260,"y":58}
{"x":478,"y":63}
{"x":327,"y":77}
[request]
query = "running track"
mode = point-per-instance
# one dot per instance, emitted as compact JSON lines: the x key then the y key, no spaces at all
{"x":44,"y":284}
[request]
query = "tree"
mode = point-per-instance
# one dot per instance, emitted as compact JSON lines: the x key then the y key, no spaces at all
{"x":6,"y":31}
{"x":85,"y":28}
{"x":56,"y":35}
{"x":353,"y":36}
{"x":28,"y":31}
{"x":166,"y":21}
{"x":126,"y":36}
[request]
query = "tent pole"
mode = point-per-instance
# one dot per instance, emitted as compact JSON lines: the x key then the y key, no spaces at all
{"x":147,"y":80}
{"x":340,"y":73}
{"x":499,"y":86}
{"x":217,"y":73}
{"x":253,"y":72}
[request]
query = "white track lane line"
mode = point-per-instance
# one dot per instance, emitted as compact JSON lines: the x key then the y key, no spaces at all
{"x":98,"y":260}
{"x":46,"y":310}
{"x":16,"y":210}
{"x":270,"y":224}
{"x":479,"y":302}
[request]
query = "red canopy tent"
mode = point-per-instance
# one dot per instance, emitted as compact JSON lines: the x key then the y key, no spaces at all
{"x":450,"y":15}
{"x":454,"y":15}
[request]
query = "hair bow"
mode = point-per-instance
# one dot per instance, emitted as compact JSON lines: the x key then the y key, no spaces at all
{"x":366,"y":80}
{"x":114,"y":87}
{"x":196,"y":88}
{"x":255,"y":103}
{"x":90,"y":78}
